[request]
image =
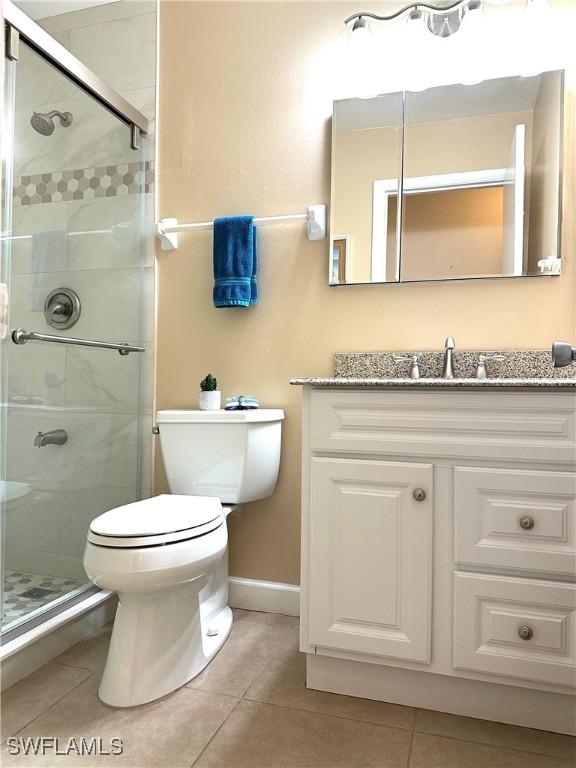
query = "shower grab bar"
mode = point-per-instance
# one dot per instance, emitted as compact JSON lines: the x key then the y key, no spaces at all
{"x":20,"y":336}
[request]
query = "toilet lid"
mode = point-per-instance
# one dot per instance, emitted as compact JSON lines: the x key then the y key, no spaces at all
{"x":159,"y":515}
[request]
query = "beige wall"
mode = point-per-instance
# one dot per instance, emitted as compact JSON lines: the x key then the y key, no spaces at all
{"x":445,"y":146}
{"x":465,"y":144}
{"x":243,"y":128}
{"x":359,"y":158}
{"x":434,"y":248}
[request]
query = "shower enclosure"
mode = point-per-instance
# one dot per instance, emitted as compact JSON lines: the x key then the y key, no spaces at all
{"x":76,"y":353}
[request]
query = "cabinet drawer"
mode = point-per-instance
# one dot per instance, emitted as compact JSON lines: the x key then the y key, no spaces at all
{"x":490,"y":425}
{"x":522,"y":628}
{"x":515,"y":519}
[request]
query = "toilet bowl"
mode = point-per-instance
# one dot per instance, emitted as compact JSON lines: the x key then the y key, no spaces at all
{"x":166,"y":557}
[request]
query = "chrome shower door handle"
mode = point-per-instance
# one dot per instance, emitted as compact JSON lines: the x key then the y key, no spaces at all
{"x":21,"y":336}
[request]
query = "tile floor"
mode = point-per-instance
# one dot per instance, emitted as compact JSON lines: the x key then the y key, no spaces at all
{"x":250,"y":709}
{"x":17,"y":583}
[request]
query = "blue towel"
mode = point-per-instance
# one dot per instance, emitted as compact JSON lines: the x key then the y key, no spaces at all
{"x":235,"y":262}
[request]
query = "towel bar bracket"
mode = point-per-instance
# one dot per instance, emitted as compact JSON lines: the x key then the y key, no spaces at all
{"x":315,"y":218}
{"x":168,"y":240}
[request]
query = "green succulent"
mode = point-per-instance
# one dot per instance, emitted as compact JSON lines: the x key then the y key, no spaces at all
{"x":209,"y":383}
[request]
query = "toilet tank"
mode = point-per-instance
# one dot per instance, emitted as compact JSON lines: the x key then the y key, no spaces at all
{"x":233,"y":455}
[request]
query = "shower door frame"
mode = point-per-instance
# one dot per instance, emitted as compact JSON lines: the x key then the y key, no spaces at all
{"x":58,"y":56}
{"x":50,"y":49}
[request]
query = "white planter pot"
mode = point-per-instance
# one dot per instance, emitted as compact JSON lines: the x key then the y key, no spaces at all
{"x":210,"y":401}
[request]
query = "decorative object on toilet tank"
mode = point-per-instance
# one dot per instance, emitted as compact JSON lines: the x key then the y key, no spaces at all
{"x":209,"y":397}
{"x":241,"y":403}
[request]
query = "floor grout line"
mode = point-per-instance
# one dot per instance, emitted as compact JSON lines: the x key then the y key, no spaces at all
{"x":524,"y":751}
{"x":412,"y":737}
{"x":329,"y":714}
{"x":77,"y":666}
{"x":216,"y":732}
{"x":57,"y":701}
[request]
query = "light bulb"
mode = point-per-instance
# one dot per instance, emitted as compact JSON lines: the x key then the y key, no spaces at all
{"x":471,"y":41}
{"x":362,"y":60}
{"x":416,"y":62}
{"x":538,"y":11}
{"x":541,"y":43}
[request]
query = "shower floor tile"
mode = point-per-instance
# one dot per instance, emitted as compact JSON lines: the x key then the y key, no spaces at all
{"x":26,"y":592}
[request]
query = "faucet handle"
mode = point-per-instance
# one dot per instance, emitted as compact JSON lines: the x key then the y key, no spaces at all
{"x":410,"y":358}
{"x":483,"y":356}
{"x":481,"y":372}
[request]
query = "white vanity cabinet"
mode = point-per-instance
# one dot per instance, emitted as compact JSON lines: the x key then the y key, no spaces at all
{"x":439,"y":549}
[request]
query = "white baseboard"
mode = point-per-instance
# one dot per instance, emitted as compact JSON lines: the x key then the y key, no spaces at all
{"x":265,"y":596}
{"x":31,"y":650}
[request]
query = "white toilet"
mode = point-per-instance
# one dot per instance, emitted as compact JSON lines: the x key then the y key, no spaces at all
{"x":166,"y":557}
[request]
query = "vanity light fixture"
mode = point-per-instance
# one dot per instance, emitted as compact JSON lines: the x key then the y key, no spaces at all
{"x":441,"y":20}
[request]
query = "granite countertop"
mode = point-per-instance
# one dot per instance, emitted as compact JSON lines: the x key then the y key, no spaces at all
{"x":517,"y":369}
{"x":404,"y":383}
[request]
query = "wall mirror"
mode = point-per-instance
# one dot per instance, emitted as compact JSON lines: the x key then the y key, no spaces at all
{"x":454,"y":182}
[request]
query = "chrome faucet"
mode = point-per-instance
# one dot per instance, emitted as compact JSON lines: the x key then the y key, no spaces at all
{"x":449,"y":346}
{"x":54,"y":437}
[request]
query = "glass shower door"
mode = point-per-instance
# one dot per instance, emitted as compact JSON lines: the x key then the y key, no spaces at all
{"x":76,"y":265}
{"x":6,"y":142}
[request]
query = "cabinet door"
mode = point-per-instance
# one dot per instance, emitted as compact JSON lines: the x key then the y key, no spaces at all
{"x":371,"y":557}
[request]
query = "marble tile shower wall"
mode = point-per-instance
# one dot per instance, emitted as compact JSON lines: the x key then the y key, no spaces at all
{"x":103,"y":400}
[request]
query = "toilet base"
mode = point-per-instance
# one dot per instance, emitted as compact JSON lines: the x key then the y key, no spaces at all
{"x":161,"y":641}
{"x":149,"y":659}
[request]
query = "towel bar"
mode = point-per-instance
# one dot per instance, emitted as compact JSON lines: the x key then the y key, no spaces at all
{"x":315,"y":217}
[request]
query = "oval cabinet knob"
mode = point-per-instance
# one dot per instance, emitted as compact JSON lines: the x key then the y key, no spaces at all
{"x":419,"y":494}
{"x":527,"y":523}
{"x":525,"y":632}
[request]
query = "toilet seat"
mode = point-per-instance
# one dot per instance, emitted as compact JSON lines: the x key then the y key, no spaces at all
{"x":160,"y":520}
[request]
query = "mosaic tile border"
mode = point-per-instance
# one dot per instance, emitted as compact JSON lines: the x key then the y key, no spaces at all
{"x":84,"y":183}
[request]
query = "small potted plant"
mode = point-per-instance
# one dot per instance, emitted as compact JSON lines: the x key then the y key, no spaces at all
{"x":209,"y":398}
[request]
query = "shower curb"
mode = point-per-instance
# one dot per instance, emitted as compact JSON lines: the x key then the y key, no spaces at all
{"x":32,"y":649}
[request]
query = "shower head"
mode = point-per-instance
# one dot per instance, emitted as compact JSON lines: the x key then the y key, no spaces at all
{"x":43,"y":122}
